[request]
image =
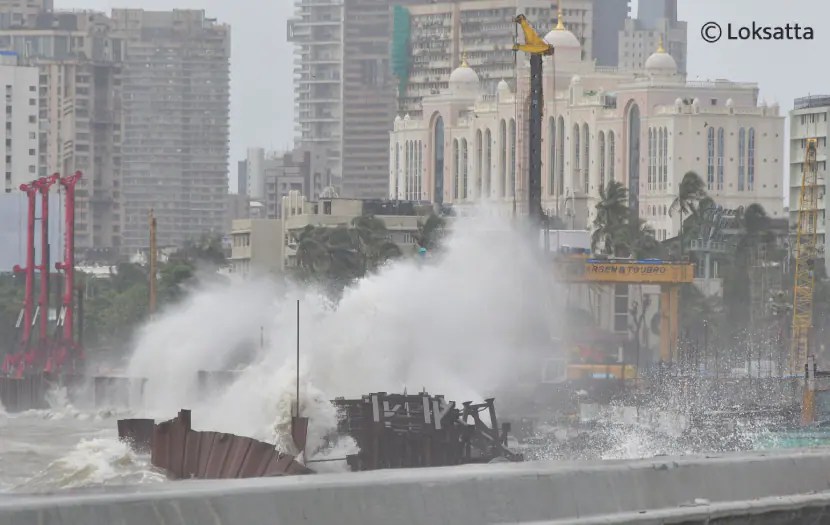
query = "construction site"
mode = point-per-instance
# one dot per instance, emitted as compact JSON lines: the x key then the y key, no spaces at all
{"x":576,"y":393}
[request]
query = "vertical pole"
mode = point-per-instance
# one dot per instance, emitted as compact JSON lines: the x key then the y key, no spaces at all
{"x":298,"y":358}
{"x":43,"y":185}
{"x":535,"y":136}
{"x":152,"y":260}
{"x":68,"y":266}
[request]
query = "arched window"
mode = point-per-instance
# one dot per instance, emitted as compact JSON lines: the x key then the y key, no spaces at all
{"x":720,"y":158}
{"x":512,"y":158}
{"x":438,"y":161}
{"x":710,"y":154}
{"x":586,"y":170}
{"x":576,"y":151}
{"x":601,"y":159}
{"x":488,"y":143}
{"x":751,"y":161}
{"x":634,"y":160}
{"x":393,"y":190}
{"x":650,"y":159}
{"x":464,"y":168}
{"x":407,"y":176}
{"x":419,"y":177}
{"x":665,"y":158}
{"x":611,"y":155}
{"x":551,"y":156}
{"x":456,"y":162}
{"x":502,"y":158}
{"x":478,"y":173}
{"x":741,"y":159}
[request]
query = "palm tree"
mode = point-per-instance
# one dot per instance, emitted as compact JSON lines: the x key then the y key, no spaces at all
{"x":611,"y":218}
{"x":338,"y":256}
{"x":691,"y":191}
{"x":373,"y":242}
{"x":641,"y":242}
{"x":430,"y":232}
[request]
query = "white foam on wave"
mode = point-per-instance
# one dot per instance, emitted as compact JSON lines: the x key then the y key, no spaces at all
{"x":459,"y":327}
{"x":95,"y":462}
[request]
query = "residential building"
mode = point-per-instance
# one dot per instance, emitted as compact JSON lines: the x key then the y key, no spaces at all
{"x":270,"y":176}
{"x":256,"y":249}
{"x":345,"y":94}
{"x":317,"y":32}
{"x":242,"y":177}
{"x":239,"y":207}
{"x":22,"y":13}
{"x":808,"y":119}
{"x":79,"y":111}
{"x":609,"y":18}
{"x":437,"y":36}
{"x":432,"y":38}
{"x":470,"y":146}
{"x":255,"y":174}
{"x":19,"y":131}
{"x":656,"y":23}
{"x":400,"y":218}
{"x":176,"y":83}
{"x":596,"y":24}
{"x":650,"y":12}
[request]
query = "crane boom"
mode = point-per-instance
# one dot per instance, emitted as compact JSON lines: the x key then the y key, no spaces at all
{"x":805,"y":258}
{"x":537,"y":48}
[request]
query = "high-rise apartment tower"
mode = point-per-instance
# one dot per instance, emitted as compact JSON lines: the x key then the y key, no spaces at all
{"x":176,"y":111}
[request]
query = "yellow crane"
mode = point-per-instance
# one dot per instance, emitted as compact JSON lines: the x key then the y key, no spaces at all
{"x":537,"y":47}
{"x":806,"y":252}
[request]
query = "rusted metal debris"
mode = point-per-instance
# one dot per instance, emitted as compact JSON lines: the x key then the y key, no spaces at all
{"x":185,"y":453}
{"x":402,"y":431}
{"x":18,"y":394}
{"x":138,"y":433}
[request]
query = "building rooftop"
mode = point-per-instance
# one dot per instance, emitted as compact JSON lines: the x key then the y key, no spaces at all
{"x":812,"y":101}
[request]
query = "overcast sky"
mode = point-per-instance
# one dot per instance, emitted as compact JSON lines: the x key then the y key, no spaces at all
{"x":261,"y":90}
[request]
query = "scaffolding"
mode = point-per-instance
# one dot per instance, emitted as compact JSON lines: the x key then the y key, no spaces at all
{"x":805,"y":259}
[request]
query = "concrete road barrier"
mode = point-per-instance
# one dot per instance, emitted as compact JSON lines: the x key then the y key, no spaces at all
{"x":662,"y":490}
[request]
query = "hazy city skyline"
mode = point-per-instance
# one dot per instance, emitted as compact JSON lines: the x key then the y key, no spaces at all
{"x":262,"y":101}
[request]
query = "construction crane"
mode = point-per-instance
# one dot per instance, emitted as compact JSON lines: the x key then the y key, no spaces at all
{"x":805,"y":258}
{"x":670,"y":276}
{"x":537,"y":47}
{"x":806,"y":251}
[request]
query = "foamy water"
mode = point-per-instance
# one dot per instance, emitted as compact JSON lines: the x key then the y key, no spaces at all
{"x":65,"y":447}
{"x":465,"y":324}
{"x":456,"y":326}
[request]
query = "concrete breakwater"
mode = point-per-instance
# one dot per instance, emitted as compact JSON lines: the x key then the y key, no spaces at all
{"x":785,"y":485}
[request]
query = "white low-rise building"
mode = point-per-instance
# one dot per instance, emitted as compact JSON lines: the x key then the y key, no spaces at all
{"x":645,"y":128}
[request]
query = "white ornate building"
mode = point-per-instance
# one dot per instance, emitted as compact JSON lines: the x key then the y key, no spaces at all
{"x":646,"y":128}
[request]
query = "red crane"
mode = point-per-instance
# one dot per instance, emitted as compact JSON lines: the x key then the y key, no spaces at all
{"x":66,"y":347}
{"x":43,"y":186}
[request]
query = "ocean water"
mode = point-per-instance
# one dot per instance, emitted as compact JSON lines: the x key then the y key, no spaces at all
{"x":64,"y":448}
{"x":465,"y":324}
